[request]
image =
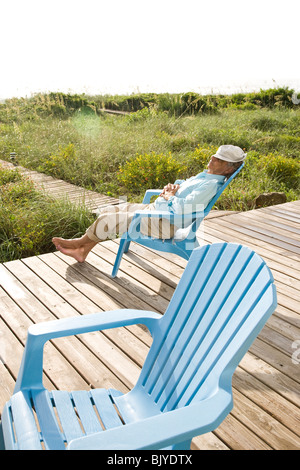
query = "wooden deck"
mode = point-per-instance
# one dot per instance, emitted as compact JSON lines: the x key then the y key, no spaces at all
{"x":266,"y":414}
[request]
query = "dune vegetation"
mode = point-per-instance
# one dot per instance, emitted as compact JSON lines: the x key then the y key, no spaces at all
{"x":152,"y":139}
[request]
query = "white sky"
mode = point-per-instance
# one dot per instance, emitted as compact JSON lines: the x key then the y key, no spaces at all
{"x":125,"y":46}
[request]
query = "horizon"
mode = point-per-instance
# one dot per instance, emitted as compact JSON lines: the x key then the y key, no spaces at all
{"x":229,"y":89}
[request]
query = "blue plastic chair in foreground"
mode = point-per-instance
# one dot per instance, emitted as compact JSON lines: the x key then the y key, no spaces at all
{"x":225,"y":296}
{"x":184,"y":241}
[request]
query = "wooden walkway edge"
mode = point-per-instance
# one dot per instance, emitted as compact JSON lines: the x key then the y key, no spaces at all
{"x":266,"y":413}
{"x":61,"y":189}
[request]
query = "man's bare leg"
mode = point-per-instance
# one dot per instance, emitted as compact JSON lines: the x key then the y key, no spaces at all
{"x":77,"y":248}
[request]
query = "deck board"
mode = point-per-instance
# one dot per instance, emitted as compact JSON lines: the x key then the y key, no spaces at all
{"x":266,"y":413}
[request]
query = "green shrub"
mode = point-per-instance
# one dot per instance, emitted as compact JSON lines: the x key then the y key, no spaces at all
{"x":141,"y":115}
{"x":9,"y":176}
{"x":284,"y":169}
{"x":57,"y":164}
{"x":272,"y":97}
{"x":170,"y":103}
{"x":131,"y":103}
{"x":194,"y":103}
{"x":197,"y":161}
{"x":149,"y":171}
{"x":244,"y":106}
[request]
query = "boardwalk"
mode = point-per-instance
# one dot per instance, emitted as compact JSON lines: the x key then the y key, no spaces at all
{"x":266,"y":413}
{"x":60,"y":189}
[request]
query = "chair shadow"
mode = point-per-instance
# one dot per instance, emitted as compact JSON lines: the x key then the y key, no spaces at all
{"x":122,"y":287}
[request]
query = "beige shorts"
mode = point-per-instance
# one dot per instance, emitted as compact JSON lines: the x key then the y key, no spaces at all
{"x":115,"y":220}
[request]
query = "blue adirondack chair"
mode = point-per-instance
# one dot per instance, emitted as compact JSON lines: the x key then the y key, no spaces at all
{"x":184,"y":241}
{"x":225,"y":296}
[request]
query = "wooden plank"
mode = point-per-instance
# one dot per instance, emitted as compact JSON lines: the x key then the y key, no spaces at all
{"x":11,"y":352}
{"x":267,"y":399}
{"x":275,"y":260}
{"x":288,"y":316}
{"x":283,"y":211}
{"x":275,"y":380}
{"x":129,"y":279}
{"x":113,"y":359}
{"x":135,"y":272}
{"x":19,"y":323}
{"x":93,"y":282}
{"x":7,"y":384}
{"x":87,"y":298}
{"x":152,"y":259}
{"x":239,"y":437}
{"x":275,"y":358}
{"x":70,"y":348}
{"x":256,"y":419}
{"x":262,"y":226}
{"x":279,"y":324}
{"x":266,"y":383}
{"x":147,"y":260}
{"x":227,"y":232}
{"x":208,"y":441}
{"x":283,"y":242}
{"x":123,"y":298}
{"x":58,"y":188}
{"x":282,"y":249}
{"x":278,"y":341}
{"x":274,"y":221}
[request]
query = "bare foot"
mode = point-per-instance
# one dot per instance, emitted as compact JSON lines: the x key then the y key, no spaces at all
{"x":77,"y":248}
{"x":67,"y":243}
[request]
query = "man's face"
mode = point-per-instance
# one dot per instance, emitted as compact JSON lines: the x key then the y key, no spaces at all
{"x":218,"y":167}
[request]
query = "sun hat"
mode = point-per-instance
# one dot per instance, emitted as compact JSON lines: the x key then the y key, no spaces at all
{"x":230,"y":153}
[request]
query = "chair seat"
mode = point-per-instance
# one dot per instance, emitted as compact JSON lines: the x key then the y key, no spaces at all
{"x":51,"y":419}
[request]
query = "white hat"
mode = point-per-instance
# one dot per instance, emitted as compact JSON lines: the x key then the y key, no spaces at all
{"x":230,"y":153}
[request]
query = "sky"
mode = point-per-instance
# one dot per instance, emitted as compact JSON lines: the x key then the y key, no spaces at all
{"x":132,"y":46}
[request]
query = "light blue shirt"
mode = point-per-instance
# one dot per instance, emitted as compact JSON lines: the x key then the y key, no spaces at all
{"x":193,"y":194}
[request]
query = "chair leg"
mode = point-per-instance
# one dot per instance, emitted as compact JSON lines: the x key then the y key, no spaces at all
{"x":126,"y":246}
{"x":186,"y":445}
{"x":2,"y":446}
{"x":123,"y":248}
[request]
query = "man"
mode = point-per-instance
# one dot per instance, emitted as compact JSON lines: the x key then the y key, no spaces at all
{"x":182,"y":197}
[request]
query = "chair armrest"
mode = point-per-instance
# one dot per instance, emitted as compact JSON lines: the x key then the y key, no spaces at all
{"x":155,"y":213}
{"x":149,"y":193}
{"x":134,"y":228}
{"x":174,"y":219}
{"x":162,"y":430}
{"x":31,"y":369}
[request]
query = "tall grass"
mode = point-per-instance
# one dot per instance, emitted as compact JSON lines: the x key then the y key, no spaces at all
{"x":29,"y":218}
{"x":70,"y":138}
{"x":87,"y":148}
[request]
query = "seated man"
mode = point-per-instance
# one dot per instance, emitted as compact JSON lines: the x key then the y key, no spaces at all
{"x":182,"y":197}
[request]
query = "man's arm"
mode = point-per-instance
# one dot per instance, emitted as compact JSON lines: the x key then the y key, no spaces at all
{"x":169,"y":190}
{"x":197,"y":198}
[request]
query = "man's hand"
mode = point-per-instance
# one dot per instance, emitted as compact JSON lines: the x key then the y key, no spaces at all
{"x":169,"y":190}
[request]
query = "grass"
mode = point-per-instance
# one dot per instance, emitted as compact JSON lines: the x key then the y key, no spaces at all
{"x":100,"y":145}
{"x":29,"y":218}
{"x":71,"y":140}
